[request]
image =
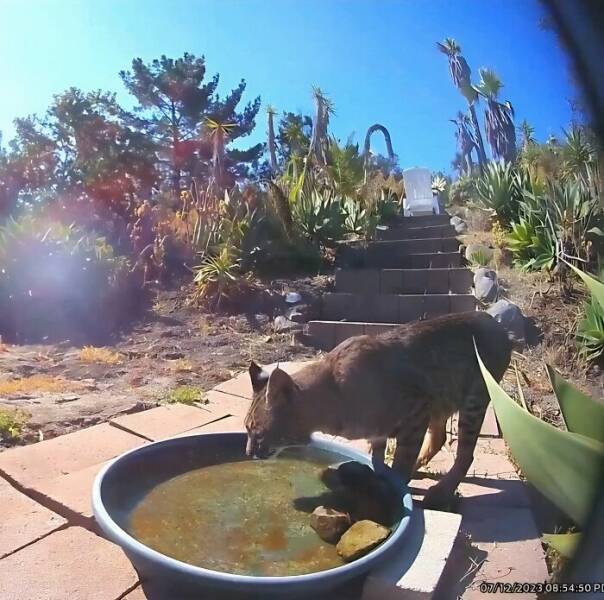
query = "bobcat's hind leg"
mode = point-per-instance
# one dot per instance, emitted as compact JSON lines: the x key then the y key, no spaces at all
{"x":471,"y":417}
{"x":409,"y":442}
{"x":434,"y":440}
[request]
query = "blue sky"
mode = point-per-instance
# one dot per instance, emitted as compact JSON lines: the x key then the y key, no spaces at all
{"x":376,"y":59}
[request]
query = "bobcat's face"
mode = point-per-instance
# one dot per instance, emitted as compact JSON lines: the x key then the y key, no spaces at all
{"x":273,"y":419}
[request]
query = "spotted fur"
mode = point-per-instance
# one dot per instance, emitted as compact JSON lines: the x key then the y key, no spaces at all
{"x":403,"y":384}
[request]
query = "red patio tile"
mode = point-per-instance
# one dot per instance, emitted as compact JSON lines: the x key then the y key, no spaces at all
{"x":221,"y":404}
{"x":66,"y":454}
{"x":72,"y":564}
{"x":23,"y":520}
{"x":164,"y":421}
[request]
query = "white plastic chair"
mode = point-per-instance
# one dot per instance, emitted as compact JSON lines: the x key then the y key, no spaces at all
{"x":419,"y":199}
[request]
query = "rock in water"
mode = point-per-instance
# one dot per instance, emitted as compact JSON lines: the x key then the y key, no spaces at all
{"x":329,"y":523}
{"x":362,"y":537}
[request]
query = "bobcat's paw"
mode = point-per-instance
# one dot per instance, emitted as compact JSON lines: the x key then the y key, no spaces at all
{"x":439,"y":498}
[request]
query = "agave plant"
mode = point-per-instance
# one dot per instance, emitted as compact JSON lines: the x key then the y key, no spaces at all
{"x":497,"y":191}
{"x":320,"y":216}
{"x":360,"y":220}
{"x":590,"y":330}
{"x":533,"y":246}
{"x":563,"y":465}
{"x":499,"y":117}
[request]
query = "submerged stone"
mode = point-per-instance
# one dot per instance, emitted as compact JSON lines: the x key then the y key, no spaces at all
{"x":329,"y":523}
{"x":362,"y":537}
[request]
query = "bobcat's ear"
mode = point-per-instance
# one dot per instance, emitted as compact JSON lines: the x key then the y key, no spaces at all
{"x":280,"y":386}
{"x":258,"y":376}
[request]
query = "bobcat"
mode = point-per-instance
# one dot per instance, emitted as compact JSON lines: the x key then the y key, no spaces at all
{"x":400,"y":384}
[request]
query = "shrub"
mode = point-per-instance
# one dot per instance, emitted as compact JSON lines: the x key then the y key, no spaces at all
{"x":462,"y":191}
{"x":185,"y":394}
{"x":58,"y":282}
{"x":12,"y":422}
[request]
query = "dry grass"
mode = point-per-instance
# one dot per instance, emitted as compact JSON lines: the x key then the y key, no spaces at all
{"x":36,"y":383}
{"x":90,"y":354}
{"x":180,"y":365}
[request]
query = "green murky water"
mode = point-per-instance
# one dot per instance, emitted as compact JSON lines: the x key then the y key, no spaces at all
{"x":239,"y":517}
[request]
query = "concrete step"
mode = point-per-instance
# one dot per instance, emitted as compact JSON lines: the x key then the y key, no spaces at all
{"x":401,"y":232}
{"x":385,"y":257}
{"x":392,"y":308}
{"x":328,"y":334}
{"x":424,"y":220}
{"x":403,"y":281}
{"x":405,"y":247}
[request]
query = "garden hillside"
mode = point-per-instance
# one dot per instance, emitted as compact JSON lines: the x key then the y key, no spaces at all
{"x":149,"y":252}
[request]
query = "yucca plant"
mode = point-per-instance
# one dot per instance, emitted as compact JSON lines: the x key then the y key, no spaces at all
{"x":563,"y":465}
{"x":217,"y":277}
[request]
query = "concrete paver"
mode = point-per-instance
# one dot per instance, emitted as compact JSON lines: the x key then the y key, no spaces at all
{"x":415,"y":573}
{"x":241,"y":386}
{"x":72,"y":491}
{"x":71,"y":564}
{"x":23,"y":520}
{"x":164,"y":421}
{"x":66,"y":454}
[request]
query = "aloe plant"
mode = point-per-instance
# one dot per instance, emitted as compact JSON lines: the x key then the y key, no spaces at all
{"x":563,"y":465}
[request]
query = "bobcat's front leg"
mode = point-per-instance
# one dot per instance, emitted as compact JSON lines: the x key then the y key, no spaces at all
{"x":378,"y":451}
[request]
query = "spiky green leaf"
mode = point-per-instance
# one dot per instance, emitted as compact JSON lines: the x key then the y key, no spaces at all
{"x":563,"y":466}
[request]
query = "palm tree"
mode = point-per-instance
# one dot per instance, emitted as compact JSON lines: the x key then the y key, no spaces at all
{"x":460,"y":74}
{"x":465,"y":139}
{"x":219,"y":132}
{"x":270,"y":111}
{"x":498,"y":117}
{"x":387,"y":139}
{"x":323,"y":109}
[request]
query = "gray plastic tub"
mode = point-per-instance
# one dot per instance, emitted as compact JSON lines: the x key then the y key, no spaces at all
{"x":122,"y":483}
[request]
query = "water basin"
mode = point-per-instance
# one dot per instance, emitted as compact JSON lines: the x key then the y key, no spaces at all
{"x":193,"y":511}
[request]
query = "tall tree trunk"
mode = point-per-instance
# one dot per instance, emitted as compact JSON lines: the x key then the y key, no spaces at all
{"x":175,"y":175}
{"x":482,"y":157}
{"x":218,"y":160}
{"x":271,"y":142}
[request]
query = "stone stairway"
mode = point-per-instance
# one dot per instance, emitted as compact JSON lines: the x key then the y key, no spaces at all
{"x":412,"y":271}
